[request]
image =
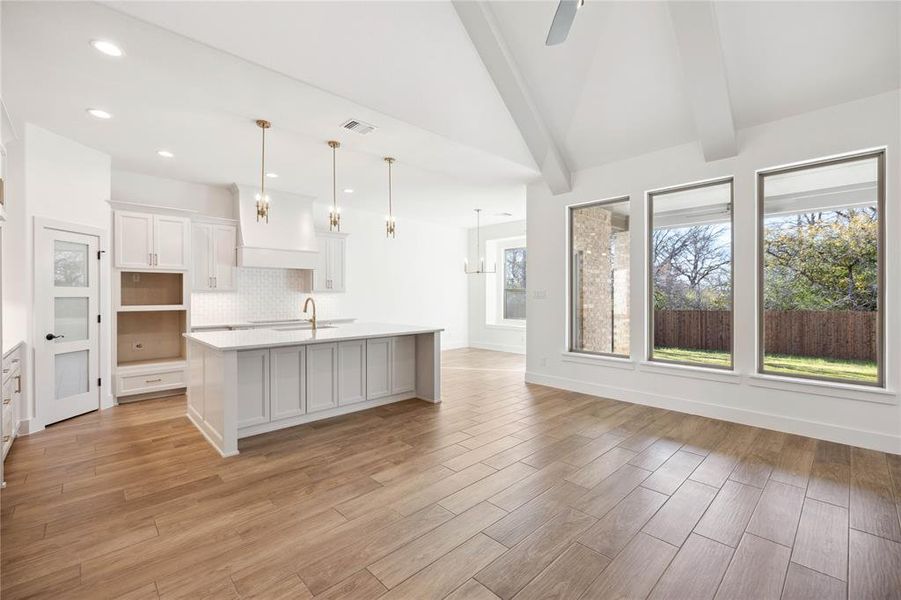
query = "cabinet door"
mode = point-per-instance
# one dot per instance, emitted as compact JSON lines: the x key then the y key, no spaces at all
{"x":351,"y":371}
{"x":320,"y":270}
{"x":225,"y":258}
{"x":403,"y":365}
{"x":287,"y":389}
{"x":134,"y":240}
{"x":322,"y":376}
{"x":253,"y":387}
{"x":378,"y":368}
{"x":171,"y":242}
{"x":201,"y":261}
{"x":336,"y":264}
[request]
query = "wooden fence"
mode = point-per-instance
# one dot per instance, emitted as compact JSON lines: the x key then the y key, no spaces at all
{"x":827,"y":334}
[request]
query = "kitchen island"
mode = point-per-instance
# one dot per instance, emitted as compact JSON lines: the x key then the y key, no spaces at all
{"x":246,"y":382}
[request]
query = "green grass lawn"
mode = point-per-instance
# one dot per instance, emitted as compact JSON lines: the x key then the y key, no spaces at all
{"x":806,"y":366}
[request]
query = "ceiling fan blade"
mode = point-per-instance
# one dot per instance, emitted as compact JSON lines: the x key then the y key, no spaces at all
{"x":563,"y":20}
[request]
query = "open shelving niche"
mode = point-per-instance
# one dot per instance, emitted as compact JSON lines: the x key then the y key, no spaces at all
{"x":151,"y":317}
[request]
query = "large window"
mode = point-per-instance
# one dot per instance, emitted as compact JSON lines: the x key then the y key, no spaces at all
{"x":690,"y":252}
{"x":821,"y":268}
{"x":599,"y":277}
{"x":515,"y":284}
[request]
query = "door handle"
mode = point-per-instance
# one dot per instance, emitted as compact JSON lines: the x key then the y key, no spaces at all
{"x":50,"y":337}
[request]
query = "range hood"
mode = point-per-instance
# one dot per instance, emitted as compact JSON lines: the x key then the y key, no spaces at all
{"x":287,"y":241}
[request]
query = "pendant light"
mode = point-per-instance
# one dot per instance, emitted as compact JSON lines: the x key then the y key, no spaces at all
{"x":334,"y":213}
{"x":389,"y":218}
{"x":481,"y":268}
{"x":262,"y":197}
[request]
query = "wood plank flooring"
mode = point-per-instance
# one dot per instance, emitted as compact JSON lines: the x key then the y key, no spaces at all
{"x":505,"y":490}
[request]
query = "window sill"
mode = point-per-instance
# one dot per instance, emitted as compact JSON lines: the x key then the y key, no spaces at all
{"x":599,"y":360}
{"x":846,"y":391}
{"x":690,"y":371}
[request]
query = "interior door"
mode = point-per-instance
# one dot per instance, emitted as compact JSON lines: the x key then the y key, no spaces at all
{"x":67,"y":336}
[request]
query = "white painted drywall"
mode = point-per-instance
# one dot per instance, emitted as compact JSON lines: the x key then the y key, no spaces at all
{"x":482,"y":334}
{"x":53,"y":178}
{"x":863,"y":124}
{"x":416,"y":278}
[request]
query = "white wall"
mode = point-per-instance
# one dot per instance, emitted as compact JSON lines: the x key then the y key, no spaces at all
{"x":482,"y":334}
{"x":53,"y":178}
{"x":864,"y":419}
{"x":416,"y":278}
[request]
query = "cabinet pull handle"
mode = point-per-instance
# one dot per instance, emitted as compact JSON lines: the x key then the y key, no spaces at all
{"x":7,"y":401}
{"x":215,"y":282}
{"x":5,"y":438}
{"x":14,"y":361}
{"x":157,"y":380}
{"x":18,"y":384}
{"x":150,"y":259}
{"x":5,"y":371}
{"x":156,"y":259}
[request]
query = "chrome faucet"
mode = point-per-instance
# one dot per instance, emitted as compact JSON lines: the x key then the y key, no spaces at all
{"x":305,"y":305}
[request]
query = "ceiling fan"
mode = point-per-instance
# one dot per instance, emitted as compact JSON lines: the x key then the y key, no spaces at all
{"x":563,"y":20}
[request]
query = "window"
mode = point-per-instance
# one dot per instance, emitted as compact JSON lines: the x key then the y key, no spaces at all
{"x":599,"y":277}
{"x":690,"y":274}
{"x":821,"y":270}
{"x":514,"y":283}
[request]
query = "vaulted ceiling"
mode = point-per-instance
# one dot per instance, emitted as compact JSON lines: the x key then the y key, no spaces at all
{"x":465,"y":94}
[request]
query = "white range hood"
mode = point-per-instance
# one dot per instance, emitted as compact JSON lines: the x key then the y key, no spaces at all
{"x":288,"y":241}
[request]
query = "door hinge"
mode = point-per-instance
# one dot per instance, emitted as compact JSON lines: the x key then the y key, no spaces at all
{"x":99,"y":382}
{"x":98,"y":318}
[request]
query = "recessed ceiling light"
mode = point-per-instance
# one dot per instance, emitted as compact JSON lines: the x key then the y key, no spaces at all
{"x":348,"y":190}
{"x":272,"y":175}
{"x":107,"y":47}
{"x":165,"y":153}
{"x":99,"y":114}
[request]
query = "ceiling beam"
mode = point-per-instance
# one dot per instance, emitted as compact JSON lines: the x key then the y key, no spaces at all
{"x":481,"y":25}
{"x":697,"y":36}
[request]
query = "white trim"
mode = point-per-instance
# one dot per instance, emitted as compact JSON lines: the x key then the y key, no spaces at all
{"x":599,"y":360}
{"x":507,"y":325}
{"x":689,"y":371}
{"x":208,"y":432}
{"x":817,"y":387}
{"x":825,"y":431}
{"x":511,"y":348}
{"x":119,"y":204}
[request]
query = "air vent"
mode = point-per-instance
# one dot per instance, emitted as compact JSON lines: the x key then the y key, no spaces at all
{"x":358,"y":127}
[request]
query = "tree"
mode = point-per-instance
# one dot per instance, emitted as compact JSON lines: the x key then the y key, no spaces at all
{"x":822,"y":260}
{"x":692,"y":267}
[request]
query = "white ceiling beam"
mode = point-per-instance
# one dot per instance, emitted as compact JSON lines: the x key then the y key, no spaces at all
{"x":481,"y":25}
{"x":697,"y":36}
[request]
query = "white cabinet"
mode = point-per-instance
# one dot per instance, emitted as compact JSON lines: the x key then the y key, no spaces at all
{"x":214,"y":257}
{"x":148,"y":241}
{"x":328,"y":274}
{"x":253,"y":387}
{"x":378,"y":368}
{"x":403,"y":364}
{"x":351,"y":371}
{"x":322,"y":376}
{"x":12,"y":398}
{"x":390,"y":366}
{"x":287,"y":382}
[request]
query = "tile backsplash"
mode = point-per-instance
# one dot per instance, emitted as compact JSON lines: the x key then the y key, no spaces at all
{"x":260,"y":294}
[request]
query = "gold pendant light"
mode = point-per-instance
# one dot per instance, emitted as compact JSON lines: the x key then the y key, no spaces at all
{"x":480,"y":270}
{"x":334,"y":213}
{"x":389,"y":218}
{"x":262,"y":197}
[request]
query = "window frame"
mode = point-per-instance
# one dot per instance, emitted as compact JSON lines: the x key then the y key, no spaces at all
{"x":649,"y":265}
{"x":570,"y":316}
{"x":494,"y":283}
{"x":879,"y":155}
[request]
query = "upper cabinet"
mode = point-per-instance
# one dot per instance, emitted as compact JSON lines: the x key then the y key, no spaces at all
{"x":328,"y":275}
{"x":148,"y":241}
{"x":214,"y":256}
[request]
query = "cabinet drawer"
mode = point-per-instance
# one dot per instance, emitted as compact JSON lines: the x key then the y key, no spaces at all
{"x":150,"y":382}
{"x":8,"y":423}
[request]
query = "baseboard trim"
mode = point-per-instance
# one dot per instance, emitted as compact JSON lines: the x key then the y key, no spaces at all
{"x":824,"y":431}
{"x":509,"y":348}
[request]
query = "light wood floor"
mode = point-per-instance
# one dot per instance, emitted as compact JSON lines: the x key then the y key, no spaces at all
{"x":505,"y":490}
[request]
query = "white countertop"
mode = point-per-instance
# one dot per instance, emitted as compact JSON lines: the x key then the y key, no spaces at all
{"x":249,"y":339}
{"x":267,"y":324}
